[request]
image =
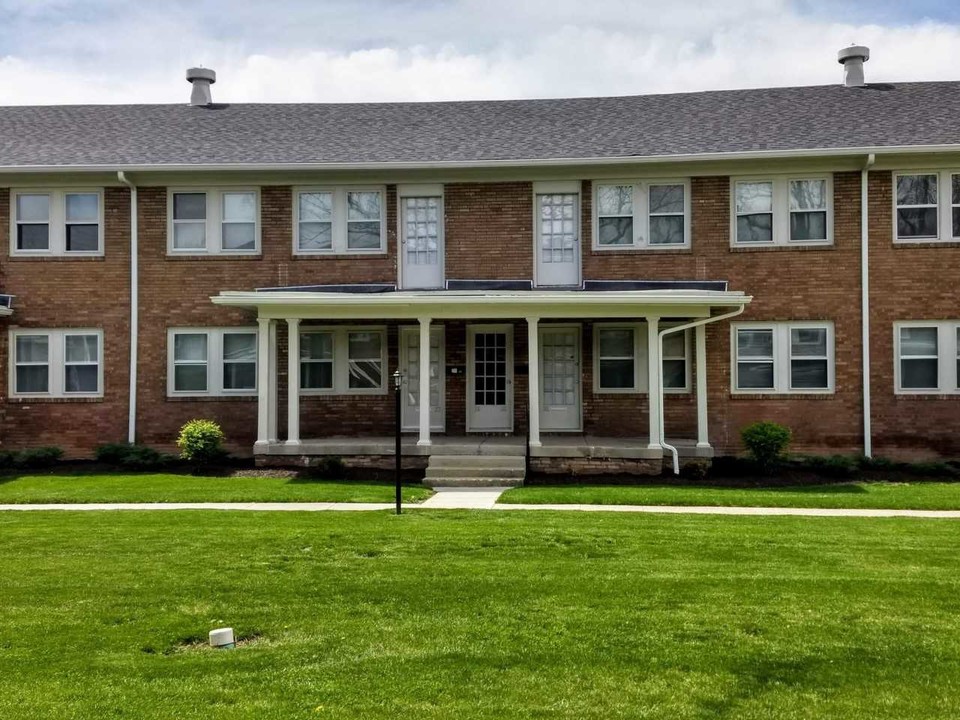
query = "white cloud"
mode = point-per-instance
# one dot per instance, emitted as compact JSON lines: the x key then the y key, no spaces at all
{"x":335,"y":51}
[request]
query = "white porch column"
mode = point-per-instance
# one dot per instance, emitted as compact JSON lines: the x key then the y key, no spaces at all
{"x":263,"y":381}
{"x":424,"y":366}
{"x":701,"y":342}
{"x":533,"y":379}
{"x":293,"y":381}
{"x":272,"y":434}
{"x":653,"y":379}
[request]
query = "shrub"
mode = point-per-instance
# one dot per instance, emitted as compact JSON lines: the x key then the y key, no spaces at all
{"x":330,"y":467}
{"x":40,"y":457}
{"x":833,"y":466}
{"x":201,"y":441}
{"x":696,"y":470}
{"x":8,"y":459}
{"x":767,"y":443}
{"x":136,"y":457}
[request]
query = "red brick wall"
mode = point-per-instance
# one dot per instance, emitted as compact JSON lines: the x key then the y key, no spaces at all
{"x":489,"y":234}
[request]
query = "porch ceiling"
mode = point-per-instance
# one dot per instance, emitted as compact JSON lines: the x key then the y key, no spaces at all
{"x":465,"y":304}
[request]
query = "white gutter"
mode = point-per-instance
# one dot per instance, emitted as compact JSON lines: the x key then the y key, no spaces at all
{"x":509,"y":163}
{"x":134,"y":308}
{"x":668,"y":331}
{"x":865,"y":301}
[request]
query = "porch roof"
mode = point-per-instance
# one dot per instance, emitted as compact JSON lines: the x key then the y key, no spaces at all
{"x":486,"y":304}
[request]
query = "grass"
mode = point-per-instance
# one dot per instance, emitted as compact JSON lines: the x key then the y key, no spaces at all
{"x":160,"y":487}
{"x":478,"y":615}
{"x":912,"y":496}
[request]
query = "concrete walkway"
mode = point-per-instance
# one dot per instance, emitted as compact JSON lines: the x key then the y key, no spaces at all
{"x":485,"y":499}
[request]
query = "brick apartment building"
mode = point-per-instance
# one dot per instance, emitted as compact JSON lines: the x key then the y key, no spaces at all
{"x":606,"y":281}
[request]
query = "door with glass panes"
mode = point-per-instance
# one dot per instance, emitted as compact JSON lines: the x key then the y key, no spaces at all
{"x":410,"y":366}
{"x":560,"y":378}
{"x":490,"y":378}
{"x":421,"y":241}
{"x":558,"y":239}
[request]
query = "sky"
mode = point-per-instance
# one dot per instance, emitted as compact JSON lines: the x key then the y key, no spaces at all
{"x":118,"y":51}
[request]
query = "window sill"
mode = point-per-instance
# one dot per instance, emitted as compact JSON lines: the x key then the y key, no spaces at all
{"x":52,"y":400}
{"x":684,"y":250}
{"x":213,"y":398}
{"x":339,"y":256}
{"x":909,"y":244}
{"x":214,"y":256}
{"x":927,"y":395}
{"x":782,"y":248}
{"x":782,"y":396}
{"x":23,"y":257}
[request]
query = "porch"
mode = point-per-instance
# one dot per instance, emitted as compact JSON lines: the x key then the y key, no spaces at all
{"x":542,"y":411}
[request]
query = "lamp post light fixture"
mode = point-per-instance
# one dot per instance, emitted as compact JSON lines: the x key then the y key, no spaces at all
{"x":397,"y":384}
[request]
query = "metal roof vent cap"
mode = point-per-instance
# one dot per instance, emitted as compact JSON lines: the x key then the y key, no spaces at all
{"x":852,"y":58}
{"x":202,"y":79}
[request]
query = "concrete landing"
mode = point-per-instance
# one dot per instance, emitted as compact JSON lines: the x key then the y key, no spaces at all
{"x":463,"y":498}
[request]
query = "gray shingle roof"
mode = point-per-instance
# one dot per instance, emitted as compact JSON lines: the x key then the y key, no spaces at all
{"x":772,"y":119}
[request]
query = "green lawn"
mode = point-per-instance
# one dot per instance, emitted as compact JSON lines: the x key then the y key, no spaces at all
{"x":478,"y":615}
{"x":914,"y":496}
{"x":159,"y":487}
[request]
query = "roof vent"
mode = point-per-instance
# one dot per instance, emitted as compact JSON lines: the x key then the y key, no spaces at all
{"x":852,"y":58}
{"x":202,"y":79}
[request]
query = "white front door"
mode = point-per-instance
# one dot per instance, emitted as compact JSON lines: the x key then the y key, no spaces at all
{"x":560,"y":378}
{"x":410,"y":367}
{"x":558,"y":239}
{"x":490,"y":378}
{"x":421,"y":242}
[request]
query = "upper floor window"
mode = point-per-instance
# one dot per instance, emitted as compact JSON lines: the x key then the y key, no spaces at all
{"x":782,"y":211}
{"x":56,"y":363}
{"x":783,"y":357}
{"x":342,"y":360}
{"x":620,"y":359}
{"x":926,"y":206}
{"x":927,"y":357}
{"x":212,"y":361}
{"x":634,"y":215}
{"x":339,"y":221}
{"x":56,"y":222}
{"x":214,"y":221}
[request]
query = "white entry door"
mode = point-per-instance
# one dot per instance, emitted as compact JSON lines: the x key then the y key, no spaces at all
{"x":421,"y":241}
{"x":560,"y":378}
{"x":558,"y":239}
{"x":410,"y":367}
{"x":490,"y":378}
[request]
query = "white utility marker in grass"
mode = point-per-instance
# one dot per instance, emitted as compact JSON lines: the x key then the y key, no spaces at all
{"x":222,"y":639}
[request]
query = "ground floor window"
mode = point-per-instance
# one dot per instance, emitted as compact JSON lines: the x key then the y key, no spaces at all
{"x":343,"y":361}
{"x":620,"y":359}
{"x":56,"y":363}
{"x":927,"y":356}
{"x":783,"y":357}
{"x":212,"y":361}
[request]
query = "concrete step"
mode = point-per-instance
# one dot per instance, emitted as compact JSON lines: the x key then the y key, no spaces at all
{"x":467,"y":482}
{"x":480,"y":470}
{"x":491,"y":461}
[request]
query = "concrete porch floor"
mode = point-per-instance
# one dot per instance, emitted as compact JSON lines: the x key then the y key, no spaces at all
{"x":568,"y":446}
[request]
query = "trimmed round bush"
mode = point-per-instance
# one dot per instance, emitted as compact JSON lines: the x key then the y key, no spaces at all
{"x":201,"y":441}
{"x":767,"y":442}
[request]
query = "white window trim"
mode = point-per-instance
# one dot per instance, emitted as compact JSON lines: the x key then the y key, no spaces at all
{"x":780,"y":208}
{"x":948,"y":352}
{"x":641,"y":214}
{"x":640,"y":379}
{"x":56,"y":368}
{"x":341,"y":359}
{"x":782,"y":376}
{"x":214,"y":361}
{"x":338,"y":237}
{"x":214,"y":234}
{"x":57,"y":238}
{"x":944,"y":207}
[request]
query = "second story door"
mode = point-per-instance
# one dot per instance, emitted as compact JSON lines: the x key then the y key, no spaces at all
{"x":558,"y":238}
{"x":421,"y":241}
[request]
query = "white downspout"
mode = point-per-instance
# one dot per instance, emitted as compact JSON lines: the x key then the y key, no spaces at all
{"x":865,"y":301}
{"x":134,"y":308}
{"x":678,"y":328}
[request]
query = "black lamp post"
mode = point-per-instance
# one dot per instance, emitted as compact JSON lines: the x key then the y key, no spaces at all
{"x":397,"y":382}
